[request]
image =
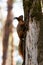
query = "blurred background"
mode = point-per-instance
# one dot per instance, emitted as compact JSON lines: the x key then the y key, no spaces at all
{"x":17,"y":11}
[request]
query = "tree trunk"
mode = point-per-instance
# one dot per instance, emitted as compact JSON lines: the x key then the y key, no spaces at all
{"x":32,"y":17}
{"x":7,"y":31}
{"x":31,"y":43}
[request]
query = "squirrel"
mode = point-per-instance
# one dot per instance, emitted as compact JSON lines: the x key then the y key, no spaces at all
{"x":21,"y":30}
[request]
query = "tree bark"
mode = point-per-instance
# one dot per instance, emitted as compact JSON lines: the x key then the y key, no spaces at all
{"x":32,"y":17}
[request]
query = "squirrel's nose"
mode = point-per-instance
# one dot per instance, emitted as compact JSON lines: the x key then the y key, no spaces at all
{"x":15,"y":18}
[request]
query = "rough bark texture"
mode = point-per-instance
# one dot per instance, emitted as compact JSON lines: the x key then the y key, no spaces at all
{"x":7,"y":30}
{"x":31,"y":43}
{"x":32,"y":16}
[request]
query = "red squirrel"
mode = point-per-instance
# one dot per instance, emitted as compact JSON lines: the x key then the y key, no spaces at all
{"x":21,"y":30}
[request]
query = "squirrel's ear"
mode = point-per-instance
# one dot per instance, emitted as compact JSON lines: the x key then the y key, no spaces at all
{"x":21,"y":17}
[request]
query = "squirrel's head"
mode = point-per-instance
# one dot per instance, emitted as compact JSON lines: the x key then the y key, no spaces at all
{"x":20,"y":18}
